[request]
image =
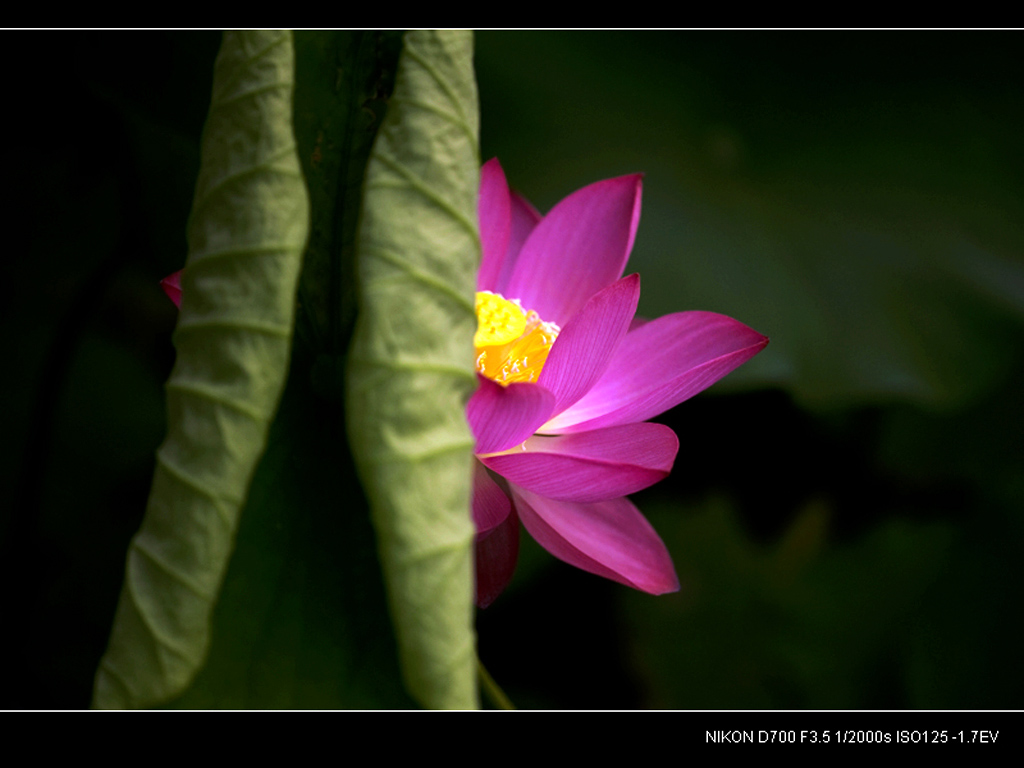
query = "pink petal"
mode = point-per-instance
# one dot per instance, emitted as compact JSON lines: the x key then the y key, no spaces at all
{"x":585,"y":346}
{"x":496,"y":555}
{"x":524,"y":219}
{"x":494,"y":211}
{"x":610,"y":538}
{"x":172,"y":287}
{"x":590,"y":466}
{"x":580,"y":247}
{"x":501,"y":417}
{"x":659,"y":365}
{"x":490,"y":504}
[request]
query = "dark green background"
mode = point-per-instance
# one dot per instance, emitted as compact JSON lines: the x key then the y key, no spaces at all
{"x":846,"y":511}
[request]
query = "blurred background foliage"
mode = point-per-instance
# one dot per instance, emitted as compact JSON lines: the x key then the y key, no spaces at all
{"x":845,"y":508}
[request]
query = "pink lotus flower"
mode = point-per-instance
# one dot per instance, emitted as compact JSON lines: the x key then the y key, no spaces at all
{"x":568,"y":378}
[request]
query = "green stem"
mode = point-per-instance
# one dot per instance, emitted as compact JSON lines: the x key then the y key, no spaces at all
{"x":492,"y":689}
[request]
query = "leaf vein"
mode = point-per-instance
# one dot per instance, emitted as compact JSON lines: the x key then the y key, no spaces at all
{"x":429,"y":553}
{"x":453,"y":118}
{"x":239,"y":69}
{"x":438,"y":78}
{"x":399,"y":365}
{"x":267,"y":329}
{"x":226,"y":101}
{"x":118,"y":678}
{"x":196,"y":486}
{"x":208,"y":393}
{"x":418,"y":274}
{"x":267,"y":249}
{"x":424,"y":189}
{"x":170,"y":570}
{"x":157,"y":634}
{"x":418,"y":457}
{"x":263,"y":165}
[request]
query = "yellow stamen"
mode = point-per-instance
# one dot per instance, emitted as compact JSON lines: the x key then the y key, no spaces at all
{"x":512,"y":344}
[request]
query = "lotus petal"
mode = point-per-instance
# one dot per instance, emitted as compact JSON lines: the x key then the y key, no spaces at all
{"x":609,"y":538}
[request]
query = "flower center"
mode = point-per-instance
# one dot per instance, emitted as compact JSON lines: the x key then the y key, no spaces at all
{"x":512,"y":344}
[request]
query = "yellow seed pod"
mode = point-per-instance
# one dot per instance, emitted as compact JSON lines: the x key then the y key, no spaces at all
{"x":499,"y":321}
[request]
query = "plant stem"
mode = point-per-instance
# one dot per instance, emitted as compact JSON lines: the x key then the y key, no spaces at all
{"x":492,"y":690}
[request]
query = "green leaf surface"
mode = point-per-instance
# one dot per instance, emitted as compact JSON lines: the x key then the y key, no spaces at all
{"x":247,"y":232}
{"x":410,"y":370}
{"x":302,"y":619}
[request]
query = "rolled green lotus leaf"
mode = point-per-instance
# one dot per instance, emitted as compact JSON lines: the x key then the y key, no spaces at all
{"x":410,"y":370}
{"x":247,"y":233}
